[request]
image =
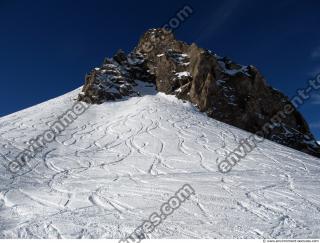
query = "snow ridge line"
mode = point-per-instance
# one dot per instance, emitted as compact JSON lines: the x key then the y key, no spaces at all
{"x":247,"y":145}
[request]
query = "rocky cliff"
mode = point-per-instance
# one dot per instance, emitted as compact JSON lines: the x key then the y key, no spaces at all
{"x":226,"y":91}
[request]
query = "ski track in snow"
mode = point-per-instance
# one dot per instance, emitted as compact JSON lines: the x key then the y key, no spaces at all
{"x":119,"y":161}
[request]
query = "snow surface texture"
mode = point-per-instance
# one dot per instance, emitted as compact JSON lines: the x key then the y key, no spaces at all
{"x":118,"y":162}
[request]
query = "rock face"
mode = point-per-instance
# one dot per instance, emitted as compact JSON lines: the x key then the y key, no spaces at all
{"x":226,"y":91}
{"x":115,"y":78}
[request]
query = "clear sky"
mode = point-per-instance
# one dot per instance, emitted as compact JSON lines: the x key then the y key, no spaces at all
{"x":47,"y":47}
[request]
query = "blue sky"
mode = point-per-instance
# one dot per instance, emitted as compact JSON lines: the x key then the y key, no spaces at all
{"x":47,"y":47}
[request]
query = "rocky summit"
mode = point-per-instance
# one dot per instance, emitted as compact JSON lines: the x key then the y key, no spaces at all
{"x":226,"y":91}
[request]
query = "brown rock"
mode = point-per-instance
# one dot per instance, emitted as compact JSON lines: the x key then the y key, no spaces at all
{"x":226,"y":91}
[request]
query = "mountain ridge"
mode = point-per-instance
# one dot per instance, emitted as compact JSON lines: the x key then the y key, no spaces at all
{"x":224,"y":90}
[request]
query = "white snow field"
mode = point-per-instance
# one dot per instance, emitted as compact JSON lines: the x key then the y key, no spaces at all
{"x":120,"y":161}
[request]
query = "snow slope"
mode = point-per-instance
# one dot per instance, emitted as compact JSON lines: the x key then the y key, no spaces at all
{"x":119,"y":161}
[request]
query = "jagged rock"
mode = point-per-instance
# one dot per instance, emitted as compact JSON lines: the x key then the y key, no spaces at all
{"x":116,"y":78}
{"x":226,"y":91}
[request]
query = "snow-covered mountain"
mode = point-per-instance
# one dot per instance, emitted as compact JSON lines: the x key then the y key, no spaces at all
{"x":229,"y":92}
{"x":120,"y":161}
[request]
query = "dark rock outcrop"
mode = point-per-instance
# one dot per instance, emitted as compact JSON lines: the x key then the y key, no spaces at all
{"x":226,"y":91}
{"x":116,"y":78}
